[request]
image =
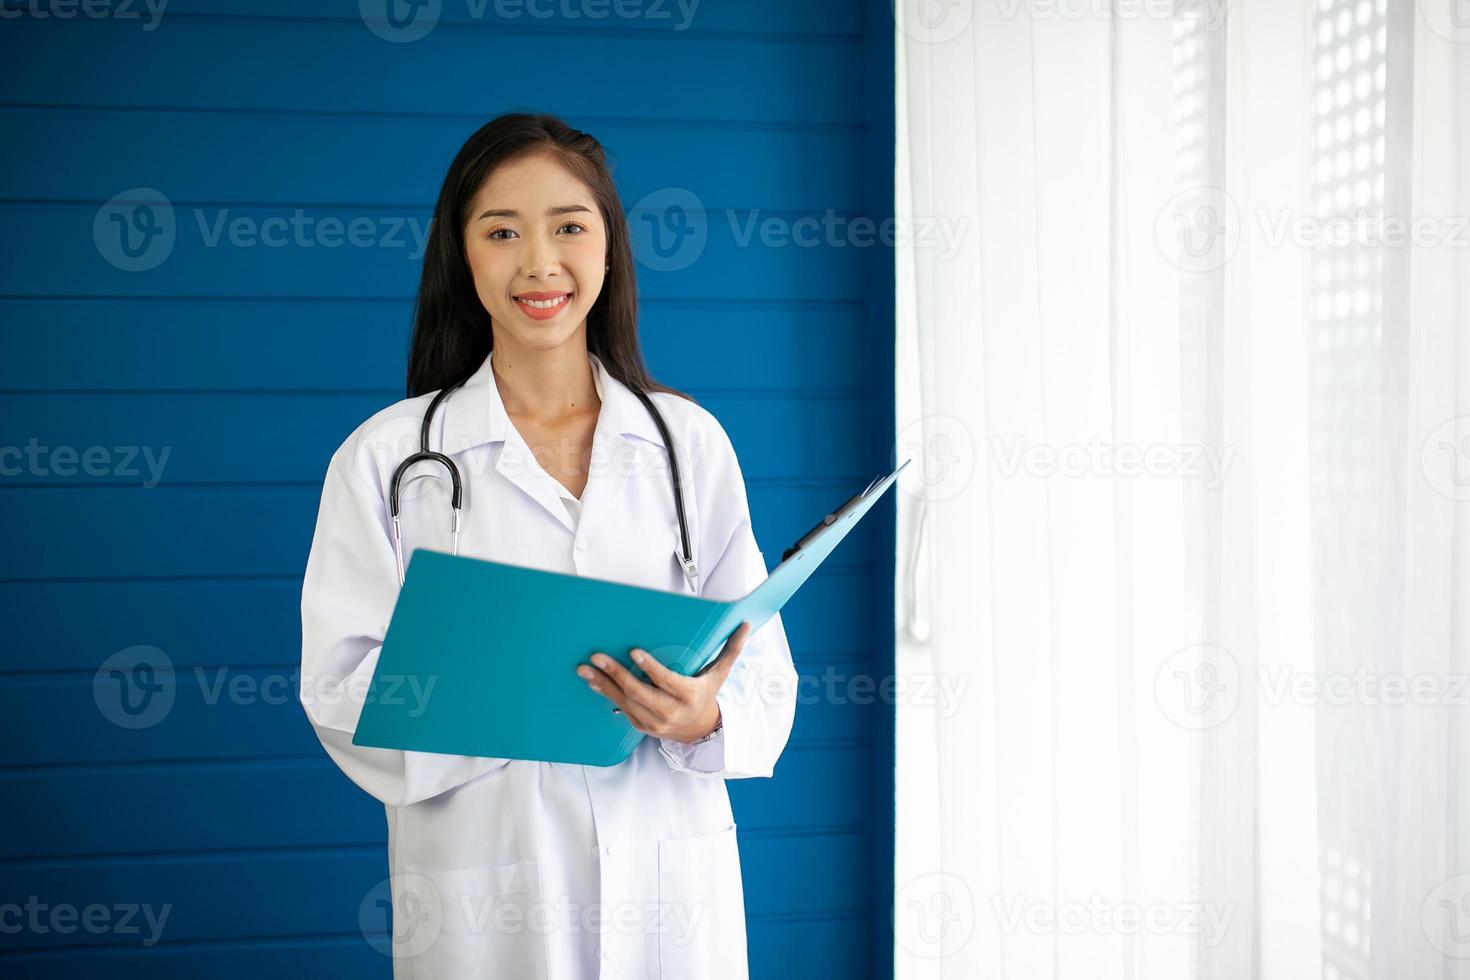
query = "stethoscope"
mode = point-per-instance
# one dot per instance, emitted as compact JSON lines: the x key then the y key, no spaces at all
{"x":425,"y":454}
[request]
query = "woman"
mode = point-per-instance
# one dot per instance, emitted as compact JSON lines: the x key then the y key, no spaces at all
{"x":508,"y":868}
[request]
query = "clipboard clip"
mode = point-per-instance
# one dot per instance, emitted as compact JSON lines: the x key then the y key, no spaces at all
{"x":832,"y":518}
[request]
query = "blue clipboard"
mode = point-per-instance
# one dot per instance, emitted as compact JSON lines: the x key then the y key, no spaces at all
{"x":479,"y":658}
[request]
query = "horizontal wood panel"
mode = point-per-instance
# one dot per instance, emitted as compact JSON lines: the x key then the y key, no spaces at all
{"x":151,"y":344}
{"x":310,"y":893}
{"x":87,"y":156}
{"x":219,"y":713}
{"x":662,"y":16}
{"x":150,"y":441}
{"x":232,"y":531}
{"x":199,"y":622}
{"x":362,"y":251}
{"x":310,"y":803}
{"x":340,"y":66}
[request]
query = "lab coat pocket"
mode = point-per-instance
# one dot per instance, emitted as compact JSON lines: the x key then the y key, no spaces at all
{"x":490,"y":919}
{"x":701,"y":908}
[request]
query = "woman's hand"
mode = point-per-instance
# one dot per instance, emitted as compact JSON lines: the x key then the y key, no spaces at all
{"x":674,"y":706}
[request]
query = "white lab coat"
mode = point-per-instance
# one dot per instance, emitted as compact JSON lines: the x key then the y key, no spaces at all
{"x":507,"y":868}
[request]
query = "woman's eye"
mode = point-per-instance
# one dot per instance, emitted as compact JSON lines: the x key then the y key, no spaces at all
{"x":496,"y":234}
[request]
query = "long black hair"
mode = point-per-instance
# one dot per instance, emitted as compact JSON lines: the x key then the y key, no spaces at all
{"x":451,"y":327}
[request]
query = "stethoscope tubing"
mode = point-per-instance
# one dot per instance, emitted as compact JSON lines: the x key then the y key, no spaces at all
{"x":456,"y":498}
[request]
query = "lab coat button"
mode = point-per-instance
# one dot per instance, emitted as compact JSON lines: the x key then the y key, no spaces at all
{"x":608,"y":849}
{"x":582,"y":544}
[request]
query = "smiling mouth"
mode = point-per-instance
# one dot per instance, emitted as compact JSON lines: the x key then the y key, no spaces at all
{"x":549,"y":303}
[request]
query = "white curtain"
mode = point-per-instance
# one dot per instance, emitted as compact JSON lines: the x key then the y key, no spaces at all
{"x":1185,"y":549}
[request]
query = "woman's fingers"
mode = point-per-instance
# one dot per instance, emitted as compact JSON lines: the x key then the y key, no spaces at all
{"x":636,"y":715}
{"x":663,"y":677}
{"x":733,"y":646}
{"x":671,"y":701}
{"x":615,"y":674}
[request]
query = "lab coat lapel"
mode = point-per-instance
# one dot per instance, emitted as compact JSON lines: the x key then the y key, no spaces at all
{"x":476,"y":416}
{"x":518,"y":464}
{"x":514,"y":459}
{"x":624,"y":444}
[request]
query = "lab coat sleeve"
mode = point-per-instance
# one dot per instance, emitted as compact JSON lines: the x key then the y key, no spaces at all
{"x":758,"y":699}
{"x":347,"y":597}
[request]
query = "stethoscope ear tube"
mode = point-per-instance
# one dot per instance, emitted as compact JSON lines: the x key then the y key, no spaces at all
{"x":426,"y":455}
{"x":456,"y":489}
{"x":456,"y":495}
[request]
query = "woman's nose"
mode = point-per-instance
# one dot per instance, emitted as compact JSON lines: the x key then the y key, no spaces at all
{"x":540,"y":258}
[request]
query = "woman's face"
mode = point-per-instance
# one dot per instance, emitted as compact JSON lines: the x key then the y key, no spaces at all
{"x":535,"y":233}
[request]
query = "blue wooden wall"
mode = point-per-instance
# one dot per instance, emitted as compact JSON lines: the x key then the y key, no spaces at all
{"x":246,"y":363}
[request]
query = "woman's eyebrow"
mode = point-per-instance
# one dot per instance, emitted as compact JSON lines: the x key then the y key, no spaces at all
{"x":550,"y":212}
